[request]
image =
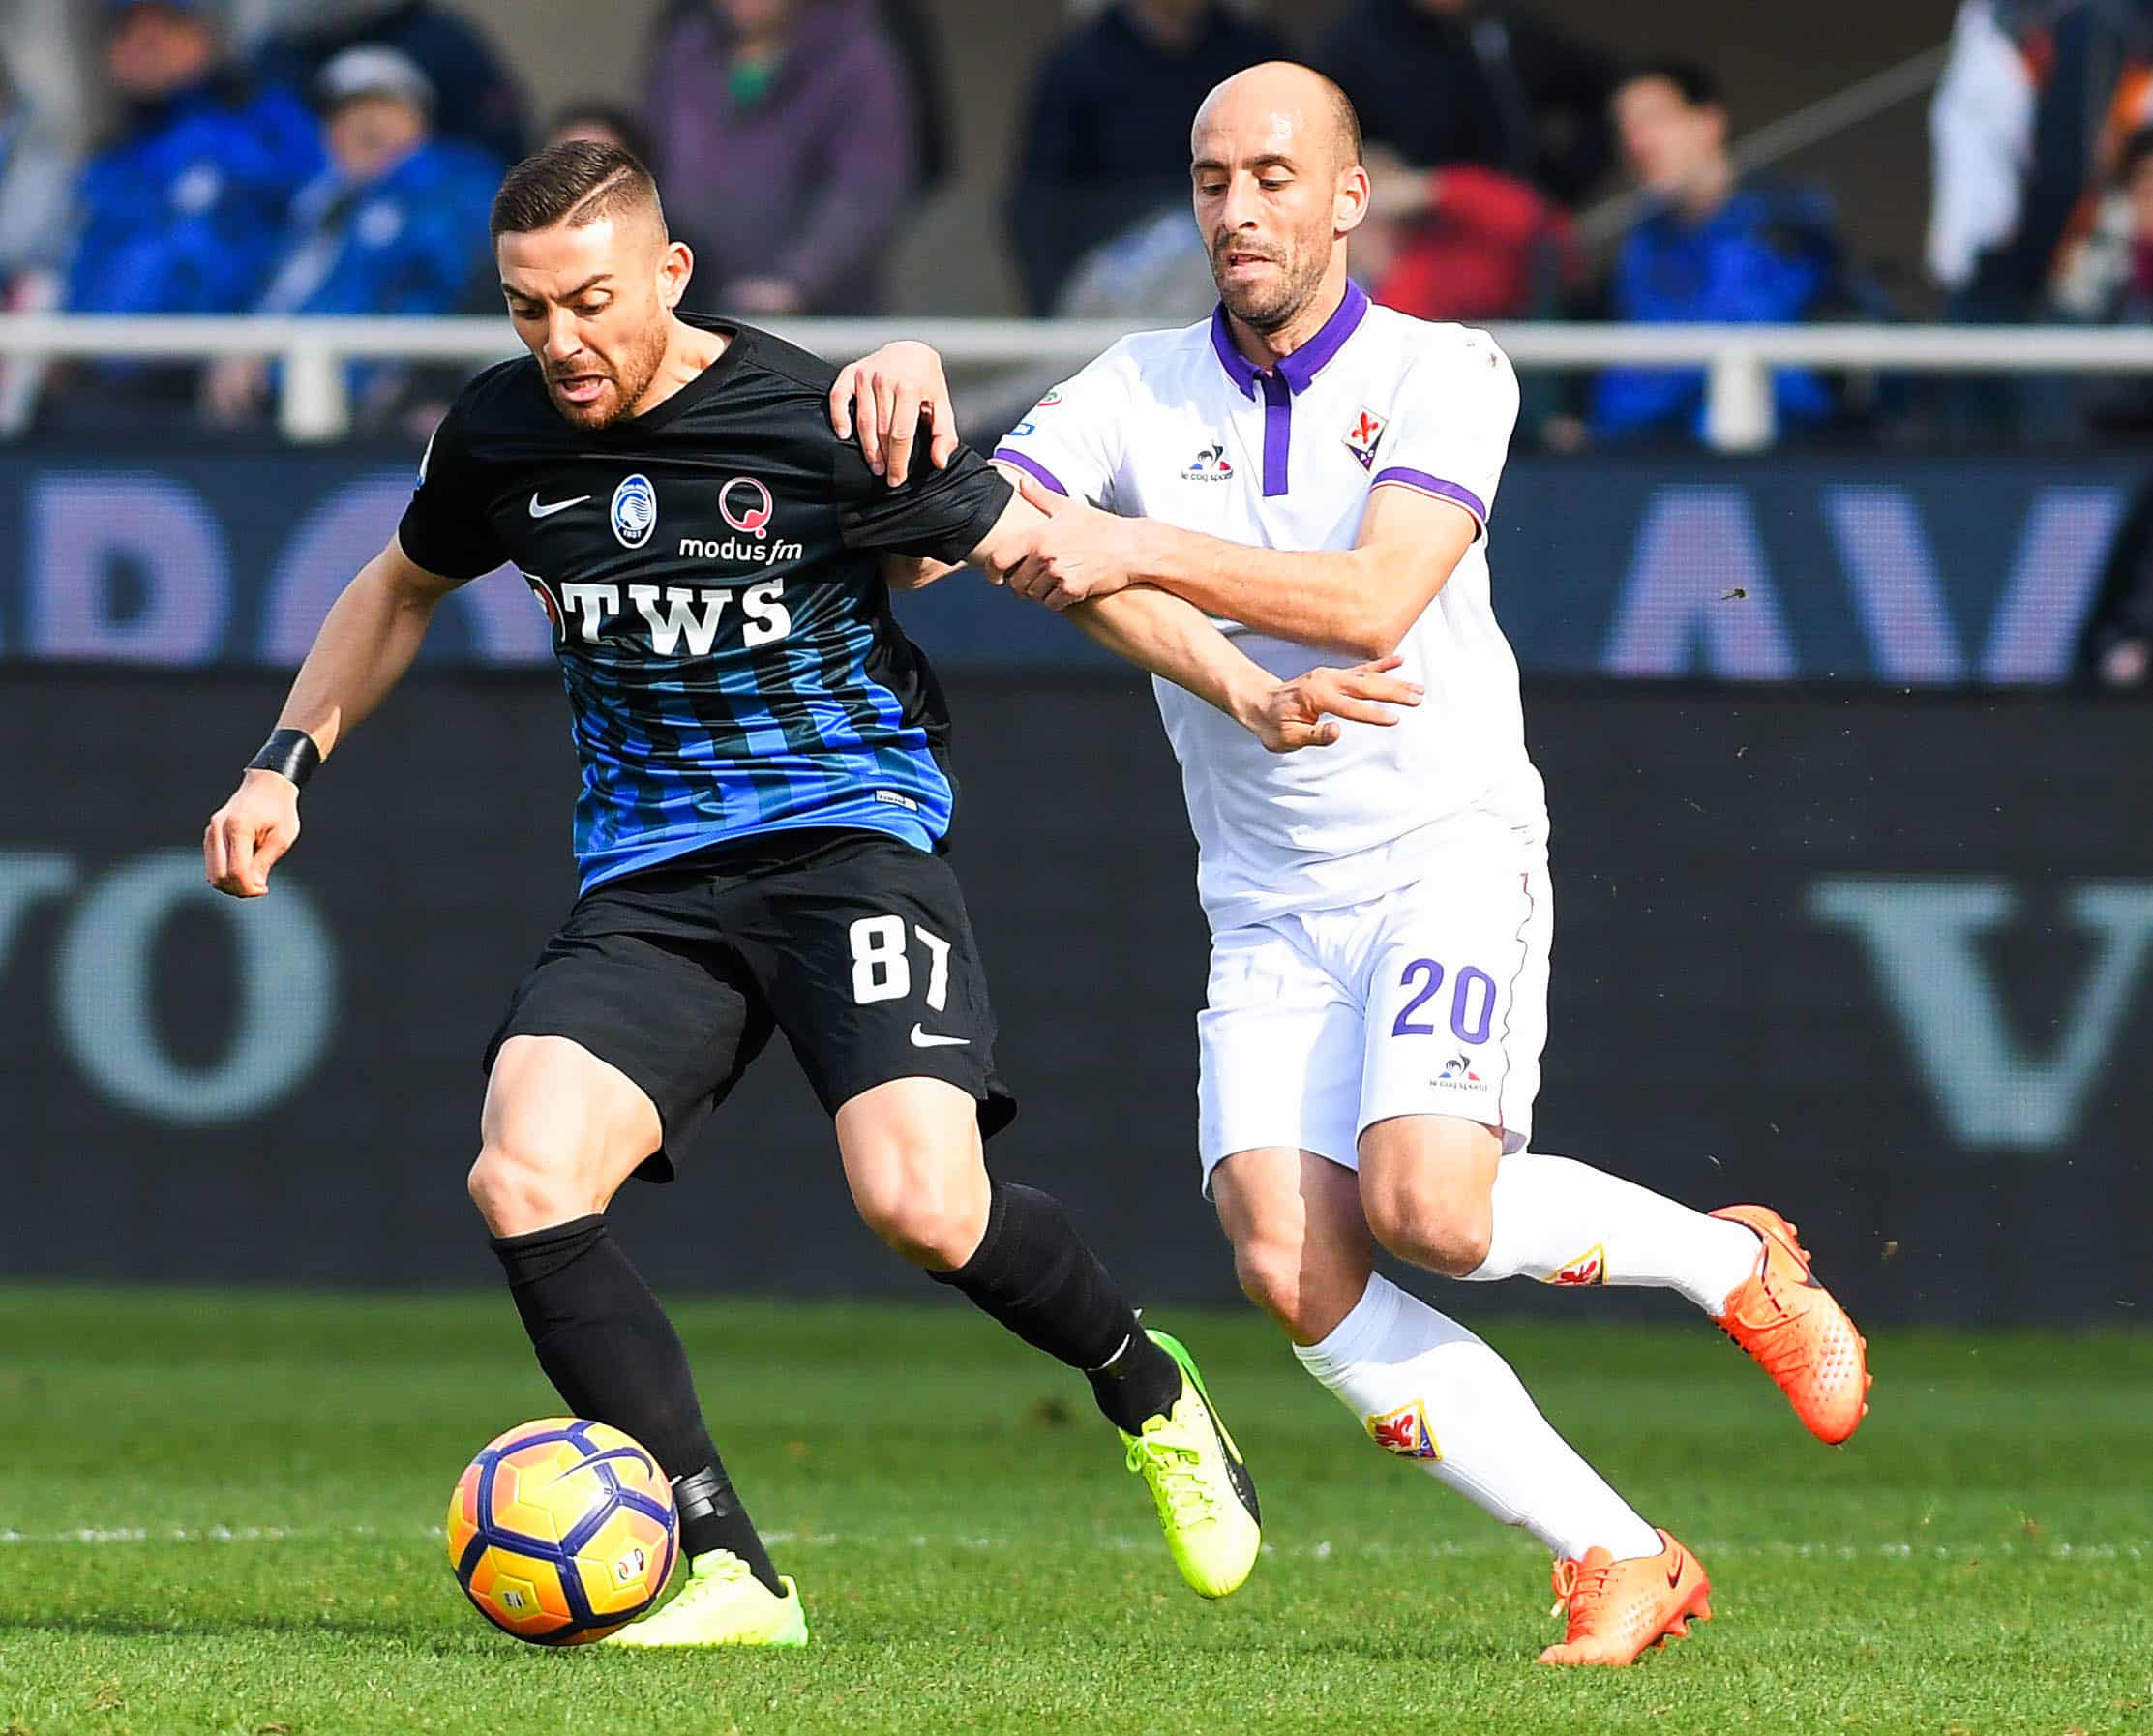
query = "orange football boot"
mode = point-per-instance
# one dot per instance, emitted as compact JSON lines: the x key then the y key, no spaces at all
{"x":1796,"y":1333}
{"x":1620,"y":1608}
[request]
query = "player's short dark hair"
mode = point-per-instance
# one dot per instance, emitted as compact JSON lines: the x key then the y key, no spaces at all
{"x":1692,"y":80}
{"x":1346,"y":119}
{"x":577,"y":182}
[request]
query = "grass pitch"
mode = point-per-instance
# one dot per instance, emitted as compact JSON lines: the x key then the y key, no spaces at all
{"x":220,"y":1513}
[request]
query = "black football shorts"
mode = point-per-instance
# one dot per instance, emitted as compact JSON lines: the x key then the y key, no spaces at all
{"x":854,"y":944}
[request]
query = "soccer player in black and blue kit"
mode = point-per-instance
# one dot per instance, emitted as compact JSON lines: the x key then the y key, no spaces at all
{"x":759,"y":830}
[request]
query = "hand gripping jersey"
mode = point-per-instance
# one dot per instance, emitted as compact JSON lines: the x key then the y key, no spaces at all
{"x":711,"y":570}
{"x":1178,"y":426}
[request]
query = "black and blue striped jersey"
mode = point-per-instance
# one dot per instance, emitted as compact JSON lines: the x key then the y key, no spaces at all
{"x":712,"y":573}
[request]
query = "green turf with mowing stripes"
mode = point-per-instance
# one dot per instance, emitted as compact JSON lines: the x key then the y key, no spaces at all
{"x":219,"y":1513}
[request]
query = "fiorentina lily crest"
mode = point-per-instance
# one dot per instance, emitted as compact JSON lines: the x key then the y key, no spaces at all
{"x":1404,"y":1431}
{"x":1589,"y":1268}
{"x":1365,"y":436}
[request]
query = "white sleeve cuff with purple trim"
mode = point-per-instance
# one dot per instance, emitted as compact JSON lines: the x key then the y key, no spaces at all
{"x":1398,"y":475}
{"x":1030,"y":466}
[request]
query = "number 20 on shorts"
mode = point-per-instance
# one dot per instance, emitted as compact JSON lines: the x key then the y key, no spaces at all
{"x":1472,"y":1001}
{"x":882,"y":970}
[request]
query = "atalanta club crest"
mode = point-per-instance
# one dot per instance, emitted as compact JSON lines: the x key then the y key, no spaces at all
{"x":634,"y":511}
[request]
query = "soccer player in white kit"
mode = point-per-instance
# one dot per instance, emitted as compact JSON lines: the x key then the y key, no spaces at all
{"x":1317,"y":473}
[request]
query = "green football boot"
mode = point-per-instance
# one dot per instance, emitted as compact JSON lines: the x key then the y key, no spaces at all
{"x":1206,"y":1498}
{"x":722,"y":1604}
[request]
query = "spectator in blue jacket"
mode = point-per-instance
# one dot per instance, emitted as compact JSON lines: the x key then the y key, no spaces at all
{"x":396,"y":224}
{"x":1708,"y":251}
{"x":480,"y":101}
{"x":180,"y":212}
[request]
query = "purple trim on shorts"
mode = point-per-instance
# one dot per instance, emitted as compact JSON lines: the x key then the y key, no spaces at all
{"x":1038,"y":472}
{"x":1433,"y":485}
{"x":1278,"y":432}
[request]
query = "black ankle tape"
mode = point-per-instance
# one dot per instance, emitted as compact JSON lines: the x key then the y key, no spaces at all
{"x":711,"y":1517}
{"x":705,"y":1494}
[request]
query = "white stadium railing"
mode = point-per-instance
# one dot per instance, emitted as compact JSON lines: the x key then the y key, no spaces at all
{"x":313,"y":404}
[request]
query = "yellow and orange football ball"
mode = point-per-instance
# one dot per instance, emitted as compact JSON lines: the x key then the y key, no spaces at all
{"x":562,"y":1531}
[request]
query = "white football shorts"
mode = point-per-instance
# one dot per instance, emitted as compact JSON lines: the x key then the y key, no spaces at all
{"x":1427,"y":1000}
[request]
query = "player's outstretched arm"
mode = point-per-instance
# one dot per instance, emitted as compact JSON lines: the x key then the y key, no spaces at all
{"x":1363,"y":599}
{"x":367,"y":639}
{"x":1172,"y":638}
{"x":1158,"y":632}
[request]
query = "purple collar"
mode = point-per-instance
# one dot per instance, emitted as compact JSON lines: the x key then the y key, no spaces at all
{"x":1306,"y":363}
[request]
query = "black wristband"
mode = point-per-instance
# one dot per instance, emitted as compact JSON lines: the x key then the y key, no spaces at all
{"x":289,"y":753}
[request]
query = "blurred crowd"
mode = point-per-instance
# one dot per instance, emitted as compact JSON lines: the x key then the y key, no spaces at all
{"x":338,"y":157}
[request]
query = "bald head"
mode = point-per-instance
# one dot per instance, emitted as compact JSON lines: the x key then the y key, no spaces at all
{"x":1309,"y":115}
{"x":1278,"y":187}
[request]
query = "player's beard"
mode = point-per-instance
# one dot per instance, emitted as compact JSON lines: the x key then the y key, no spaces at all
{"x":1264,"y":307}
{"x":630,"y":378}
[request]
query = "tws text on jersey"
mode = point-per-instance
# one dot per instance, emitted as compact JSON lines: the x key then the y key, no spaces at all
{"x":682,"y":618}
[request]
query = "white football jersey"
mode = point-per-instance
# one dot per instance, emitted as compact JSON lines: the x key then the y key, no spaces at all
{"x":1178,"y":426}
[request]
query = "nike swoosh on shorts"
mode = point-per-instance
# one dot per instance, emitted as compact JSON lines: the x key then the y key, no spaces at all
{"x":923,"y":1040}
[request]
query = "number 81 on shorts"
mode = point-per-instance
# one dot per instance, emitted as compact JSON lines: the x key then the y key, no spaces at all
{"x":882,"y":962}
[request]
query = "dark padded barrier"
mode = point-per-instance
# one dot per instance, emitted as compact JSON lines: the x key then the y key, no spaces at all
{"x":1881,"y":961}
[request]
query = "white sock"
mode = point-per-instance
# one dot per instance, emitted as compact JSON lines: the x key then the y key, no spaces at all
{"x":1562,"y":1221}
{"x":1429,"y":1391}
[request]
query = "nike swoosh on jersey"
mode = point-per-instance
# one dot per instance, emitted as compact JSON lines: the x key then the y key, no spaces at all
{"x":924,"y":1040}
{"x":552,"y":507}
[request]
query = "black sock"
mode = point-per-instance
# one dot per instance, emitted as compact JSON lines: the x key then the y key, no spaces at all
{"x":609,"y":1351}
{"x":1033,"y":1273}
